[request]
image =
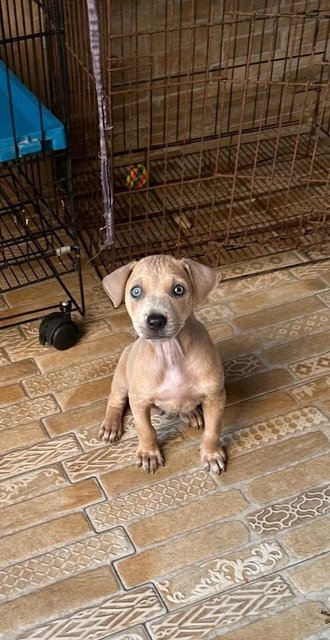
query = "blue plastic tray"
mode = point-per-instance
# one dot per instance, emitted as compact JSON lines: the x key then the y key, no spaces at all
{"x":29,"y":127}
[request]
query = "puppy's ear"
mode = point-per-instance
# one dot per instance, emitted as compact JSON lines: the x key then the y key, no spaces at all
{"x":114,"y":284}
{"x":204,"y":279}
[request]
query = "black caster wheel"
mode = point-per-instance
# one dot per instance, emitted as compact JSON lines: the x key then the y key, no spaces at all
{"x":58,"y":329}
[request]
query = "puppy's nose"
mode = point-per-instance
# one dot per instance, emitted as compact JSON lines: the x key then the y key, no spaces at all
{"x":156,"y":321}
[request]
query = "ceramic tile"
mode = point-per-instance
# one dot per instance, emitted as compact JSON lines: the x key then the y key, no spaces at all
{"x":277,"y":295}
{"x":29,"y":485}
{"x":312,"y":576}
{"x":76,"y":419}
{"x":259,"y":265}
{"x":10,"y":336}
{"x":297,"y":510}
{"x":62,"y":598}
{"x":40,"y":455}
{"x":177,"y":553}
{"x":15,"y":372}
{"x":221,"y":574}
{"x":222,"y":611}
{"x":271,"y":430}
{"x":135,"y":633}
{"x":312,"y":270}
{"x":53,"y":504}
{"x":313,"y":391}
{"x":257,"y":409}
{"x":84,"y":394}
{"x":150,"y":500}
{"x":297,"y":328}
{"x":325,"y":297}
{"x":4,"y":360}
{"x":238,"y":346}
{"x":42,"y":538}
{"x":310,"y":367}
{"x":26,"y":348}
{"x":310,"y":539}
{"x":290,"y":481}
{"x":242,"y":366}
{"x":297,"y":349}
{"x":296,"y":623}
{"x":17,"y":438}
{"x":73,"y":376}
{"x":90,"y":440}
{"x":82,"y":352}
{"x":232,"y":289}
{"x":215,"y":313}
{"x":114,"y":614}
{"x":64,"y":562}
{"x":27,"y":411}
{"x":11,"y":393}
{"x":258,"y":384}
{"x":279,"y":455}
{"x":282,"y":313}
{"x":162,"y":526}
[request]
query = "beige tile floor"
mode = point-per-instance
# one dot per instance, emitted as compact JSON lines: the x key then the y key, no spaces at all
{"x":92,"y":548}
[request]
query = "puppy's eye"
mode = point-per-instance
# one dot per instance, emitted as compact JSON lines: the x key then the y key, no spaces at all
{"x":136,"y":292}
{"x":179,"y":290}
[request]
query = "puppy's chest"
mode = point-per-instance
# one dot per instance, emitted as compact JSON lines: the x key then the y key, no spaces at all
{"x":177,"y":391}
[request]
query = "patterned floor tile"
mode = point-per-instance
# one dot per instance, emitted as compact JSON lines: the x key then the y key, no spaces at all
{"x":61,"y":563}
{"x":311,"y":366}
{"x":115,"y":614}
{"x":44,"y":537}
{"x":199,"y":620}
{"x":279,"y":516}
{"x":271,"y":295}
{"x":53,"y":504}
{"x":242,"y":366}
{"x":30,"y":485}
{"x":150,"y":500}
{"x":325,"y":297}
{"x":25,"y":348}
{"x":311,"y":270}
{"x":41,"y":455}
{"x":272,"y":430}
{"x":296,"y":623}
{"x":102,"y":460}
{"x":10,"y":336}
{"x":136,"y":633}
{"x":297,"y":328}
{"x":4,"y":360}
{"x":221,"y":574}
{"x":255,"y":283}
{"x":266,"y":263}
{"x":217,"y":312}
{"x":318,"y":389}
{"x":27,"y":411}
{"x":73,"y":376}
{"x":15,"y":372}
{"x":17,"y":438}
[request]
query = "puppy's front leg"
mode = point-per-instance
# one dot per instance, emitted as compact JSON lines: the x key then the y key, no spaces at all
{"x":148,"y":454}
{"x":112,"y":427}
{"x":212,"y":455}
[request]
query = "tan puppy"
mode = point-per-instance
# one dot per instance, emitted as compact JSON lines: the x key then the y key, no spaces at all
{"x":173,"y":364}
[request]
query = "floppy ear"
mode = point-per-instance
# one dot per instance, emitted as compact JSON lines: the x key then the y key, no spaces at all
{"x":204,"y":279}
{"x":114,"y":284}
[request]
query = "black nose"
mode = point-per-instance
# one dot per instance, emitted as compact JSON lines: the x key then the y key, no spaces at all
{"x":156,"y":321}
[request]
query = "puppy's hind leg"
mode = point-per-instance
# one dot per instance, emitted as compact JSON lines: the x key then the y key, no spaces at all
{"x":112,"y":425}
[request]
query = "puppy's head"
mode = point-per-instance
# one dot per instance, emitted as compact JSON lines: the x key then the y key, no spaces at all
{"x":160,"y":292}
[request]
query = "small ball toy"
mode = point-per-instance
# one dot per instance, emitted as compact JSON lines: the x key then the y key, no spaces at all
{"x":137,"y":176}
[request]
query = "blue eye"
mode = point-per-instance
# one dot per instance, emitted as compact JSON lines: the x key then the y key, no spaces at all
{"x":178,"y":290}
{"x":136,"y":292}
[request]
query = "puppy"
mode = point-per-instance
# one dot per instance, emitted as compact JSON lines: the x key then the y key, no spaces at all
{"x":173,"y":364}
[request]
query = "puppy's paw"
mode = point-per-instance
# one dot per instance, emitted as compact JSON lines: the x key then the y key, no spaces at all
{"x":149,"y":460}
{"x":111,"y":428}
{"x":194,"y":418}
{"x":214,"y":460}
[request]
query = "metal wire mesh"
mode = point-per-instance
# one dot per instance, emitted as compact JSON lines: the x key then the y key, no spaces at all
{"x":36,"y":206}
{"x":226,"y":104}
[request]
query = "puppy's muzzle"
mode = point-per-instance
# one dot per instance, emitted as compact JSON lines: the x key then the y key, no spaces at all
{"x":156,"y":321}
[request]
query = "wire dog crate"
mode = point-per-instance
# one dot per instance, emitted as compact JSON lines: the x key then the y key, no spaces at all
{"x":226,"y":104}
{"x":38,"y":239}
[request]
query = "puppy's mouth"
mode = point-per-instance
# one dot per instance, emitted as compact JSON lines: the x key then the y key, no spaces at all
{"x":165,"y":333}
